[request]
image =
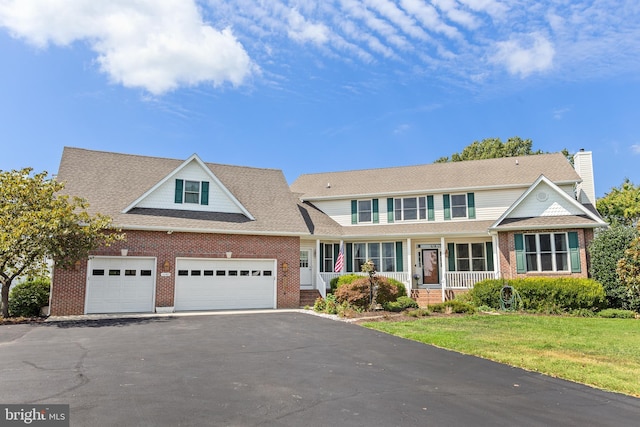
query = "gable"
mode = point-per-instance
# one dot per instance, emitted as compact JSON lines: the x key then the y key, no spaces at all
{"x":190,"y":187}
{"x":545,"y":201}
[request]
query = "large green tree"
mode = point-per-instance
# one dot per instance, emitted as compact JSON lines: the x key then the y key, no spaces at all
{"x":37,"y":224}
{"x":605,"y":250}
{"x":493,"y":148}
{"x":629,"y":271}
{"x":621,"y":205}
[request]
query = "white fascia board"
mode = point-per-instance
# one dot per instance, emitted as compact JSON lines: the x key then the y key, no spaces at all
{"x":165,"y":229}
{"x":196,"y":158}
{"x":546,"y":227}
{"x":424,"y":192}
{"x":556,"y":189}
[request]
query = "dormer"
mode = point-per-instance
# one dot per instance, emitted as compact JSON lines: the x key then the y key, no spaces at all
{"x":192,"y":186}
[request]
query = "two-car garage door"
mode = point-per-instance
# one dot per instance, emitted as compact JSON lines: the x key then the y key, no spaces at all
{"x":217,"y":284}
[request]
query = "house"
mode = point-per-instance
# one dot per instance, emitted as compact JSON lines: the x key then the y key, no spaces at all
{"x":204,"y":236}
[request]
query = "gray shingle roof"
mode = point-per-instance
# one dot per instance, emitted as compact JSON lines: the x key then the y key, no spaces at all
{"x":112,"y":181}
{"x":436,"y":177}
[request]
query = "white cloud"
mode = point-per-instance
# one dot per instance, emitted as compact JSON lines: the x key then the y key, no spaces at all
{"x":559,"y":113}
{"x":635,"y":148}
{"x":525,"y":55}
{"x":158,"y":45}
{"x":301,"y":30}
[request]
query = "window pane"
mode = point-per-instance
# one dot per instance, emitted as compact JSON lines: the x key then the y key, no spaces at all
{"x":388,"y":257}
{"x":145,"y":272}
{"x":530,"y":243}
{"x":463,"y":265}
{"x":546,"y":260}
{"x":388,"y":264}
{"x":98,"y":272}
{"x":477,"y":250}
{"x":397,"y":206}
{"x":478,"y":265}
{"x":219,"y":273}
{"x":129,"y":272}
{"x":388,"y":250}
{"x":545,"y":243}
{"x":410,"y":208}
{"x":462,"y":250}
{"x":192,"y":186}
{"x":359,"y":256}
{"x":364,"y":211}
{"x":459,"y":206}
{"x":532,"y":262}
{"x":422,"y":207}
{"x":561,"y":262}
{"x":561,"y":242}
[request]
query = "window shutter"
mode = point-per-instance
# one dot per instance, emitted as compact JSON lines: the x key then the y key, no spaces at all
{"x":431,"y":213}
{"x":336,"y":251}
{"x":574,"y":252}
{"x":204,"y":193}
{"x":322,"y":257}
{"x":390,"y":213}
{"x":521,"y":264}
{"x":376,"y":216}
{"x":354,"y":212}
{"x":349,"y":255}
{"x":446,"y":200}
{"x":451,"y":248}
{"x":471,"y":205}
{"x":489,"y":249}
{"x":399,"y":257}
{"x":179,"y":189}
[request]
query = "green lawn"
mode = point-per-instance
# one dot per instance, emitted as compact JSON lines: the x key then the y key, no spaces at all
{"x":604,"y":353}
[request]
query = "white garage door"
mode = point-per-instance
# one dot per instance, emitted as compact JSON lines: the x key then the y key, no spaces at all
{"x":216,"y":284}
{"x":120,"y":285}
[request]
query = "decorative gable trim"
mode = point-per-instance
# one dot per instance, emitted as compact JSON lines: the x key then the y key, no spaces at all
{"x":562,"y":194}
{"x":204,"y":191}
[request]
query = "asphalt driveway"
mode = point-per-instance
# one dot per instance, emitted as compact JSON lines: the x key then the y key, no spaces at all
{"x":278,"y":369}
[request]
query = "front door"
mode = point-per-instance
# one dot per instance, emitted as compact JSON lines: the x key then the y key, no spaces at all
{"x":430,"y":267}
{"x":305,"y":269}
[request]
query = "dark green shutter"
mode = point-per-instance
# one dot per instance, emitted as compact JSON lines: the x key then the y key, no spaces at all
{"x":399,"y":257}
{"x":390,"y":212}
{"x":521,"y":262}
{"x":574,"y":252}
{"x":204,"y":194}
{"x":451,"y":248}
{"x":471,"y":204}
{"x":376,"y":216}
{"x":431,"y":213}
{"x":354,"y":212}
{"x":322,"y":258}
{"x":349,"y":256}
{"x":446,"y":200}
{"x":489,"y":249}
{"x":179,"y":188}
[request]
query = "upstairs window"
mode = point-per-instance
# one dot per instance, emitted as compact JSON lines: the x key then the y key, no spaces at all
{"x":364,"y":211}
{"x":459,"y":206}
{"x":410,"y":208}
{"x":194,"y":192}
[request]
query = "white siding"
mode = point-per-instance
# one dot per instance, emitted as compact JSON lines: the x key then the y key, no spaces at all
{"x":164,"y":196}
{"x":338,"y":210}
{"x":544,"y":201}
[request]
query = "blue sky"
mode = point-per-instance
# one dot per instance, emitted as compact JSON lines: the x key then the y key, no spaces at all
{"x":308,"y":86}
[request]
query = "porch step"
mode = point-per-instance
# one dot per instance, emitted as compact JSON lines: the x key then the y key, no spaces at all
{"x":426,"y":297}
{"x":308,"y":297}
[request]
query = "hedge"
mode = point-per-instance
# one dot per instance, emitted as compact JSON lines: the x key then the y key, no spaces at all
{"x":543,"y":294}
{"x":25,"y":299}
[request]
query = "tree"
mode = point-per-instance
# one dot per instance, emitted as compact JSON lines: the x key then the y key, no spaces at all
{"x":621,"y":205}
{"x":629,"y":271}
{"x":38,"y":223}
{"x":493,"y":148}
{"x":605,"y":250}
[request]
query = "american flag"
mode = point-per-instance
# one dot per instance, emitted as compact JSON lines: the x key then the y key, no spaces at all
{"x":340,"y":261}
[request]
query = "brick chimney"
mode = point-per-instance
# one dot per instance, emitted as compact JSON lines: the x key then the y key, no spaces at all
{"x":586,"y":190}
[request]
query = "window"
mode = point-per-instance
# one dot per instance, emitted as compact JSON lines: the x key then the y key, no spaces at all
{"x":233,"y":272}
{"x":98,"y":272}
{"x":410,"y":208}
{"x":266,"y":273}
{"x":220,"y":273}
{"x":129,"y":272}
{"x":383,"y":255}
{"x":208,"y":272}
{"x":470,"y":257}
{"x":183,"y":272}
{"x":114,"y":272}
{"x":364,"y":211}
{"x":546,"y":252}
{"x":192,"y":192}
{"x":327,"y":257}
{"x":196,"y":272}
{"x":304,"y":259}
{"x":145,"y":273}
{"x":459,"y":206}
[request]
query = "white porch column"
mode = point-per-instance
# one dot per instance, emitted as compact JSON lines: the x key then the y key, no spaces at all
{"x":316,"y":269}
{"x":409,"y":266}
{"x":443,"y":266}
{"x":496,"y":256}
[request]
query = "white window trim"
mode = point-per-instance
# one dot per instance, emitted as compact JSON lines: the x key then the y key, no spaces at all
{"x":402,"y":209}
{"x":466,"y":206}
{"x":370,"y":221}
{"x":185,"y":192}
{"x":553,"y":253}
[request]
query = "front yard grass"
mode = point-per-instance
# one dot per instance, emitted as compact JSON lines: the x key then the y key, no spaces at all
{"x":604,"y":353}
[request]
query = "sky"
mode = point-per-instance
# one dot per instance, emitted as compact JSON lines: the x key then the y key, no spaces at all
{"x":317,"y":86}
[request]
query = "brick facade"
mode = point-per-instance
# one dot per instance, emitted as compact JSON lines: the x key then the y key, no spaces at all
{"x":68,"y":290}
{"x":507,"y":254}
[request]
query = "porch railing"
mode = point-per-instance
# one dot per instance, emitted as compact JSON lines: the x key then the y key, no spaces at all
{"x":466,"y":279}
{"x":399,"y":276}
{"x":322,"y":286}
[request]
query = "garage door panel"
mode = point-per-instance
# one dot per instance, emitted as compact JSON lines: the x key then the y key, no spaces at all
{"x":224,"y":284}
{"x":120,"y":285}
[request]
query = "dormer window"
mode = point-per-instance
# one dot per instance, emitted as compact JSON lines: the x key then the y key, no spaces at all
{"x":192,"y":192}
{"x":196,"y":192}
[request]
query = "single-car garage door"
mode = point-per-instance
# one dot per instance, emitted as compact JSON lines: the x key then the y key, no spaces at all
{"x":120,"y":285}
{"x":217,"y":284}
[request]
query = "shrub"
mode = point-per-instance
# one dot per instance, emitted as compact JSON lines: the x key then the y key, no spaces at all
{"x":357,"y":292}
{"x":543,"y":294}
{"x":401,"y":304}
{"x":421,"y":312}
{"x":454,"y":306}
{"x":336,"y":282}
{"x":616,"y":313}
{"x":25,"y":299}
